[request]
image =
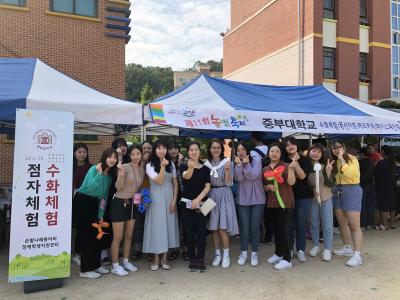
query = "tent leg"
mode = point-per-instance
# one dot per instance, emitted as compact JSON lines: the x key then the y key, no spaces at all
{"x":310,"y":140}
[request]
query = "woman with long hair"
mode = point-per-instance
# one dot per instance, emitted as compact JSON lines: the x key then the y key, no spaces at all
{"x":280,"y":203}
{"x":161,"y":231}
{"x":223,"y":220}
{"x":347,"y":197}
{"x":321,"y":207}
{"x":196,"y":185}
{"x":81,"y":166}
{"x":123,"y":212}
{"x":250,"y":200}
{"x":303,"y":194}
{"x":91,"y":199}
{"x":385,"y":188}
{"x":147,"y":148}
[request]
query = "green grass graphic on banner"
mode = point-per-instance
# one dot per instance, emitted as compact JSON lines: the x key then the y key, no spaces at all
{"x":39,"y":267}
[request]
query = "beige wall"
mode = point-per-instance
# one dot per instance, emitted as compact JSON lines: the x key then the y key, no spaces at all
{"x":330,"y":85}
{"x":279,"y":68}
{"x":329,"y":33}
{"x":363,"y":92}
{"x":364,"y":39}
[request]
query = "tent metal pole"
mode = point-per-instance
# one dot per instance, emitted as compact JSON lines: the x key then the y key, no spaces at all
{"x":310,"y":140}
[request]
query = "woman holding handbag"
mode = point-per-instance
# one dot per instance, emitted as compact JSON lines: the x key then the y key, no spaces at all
{"x":123,"y":211}
{"x":161,"y":230}
{"x":223,"y":220}
{"x":196,"y":185}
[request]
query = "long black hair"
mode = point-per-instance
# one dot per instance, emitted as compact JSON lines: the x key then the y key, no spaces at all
{"x":346,"y":156}
{"x":121,"y":142}
{"x":103,"y":160}
{"x":219,"y":142}
{"x":247,"y":147}
{"x":76,"y":147}
{"x":155,"y":160}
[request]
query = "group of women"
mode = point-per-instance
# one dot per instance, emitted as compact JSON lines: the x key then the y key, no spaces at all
{"x":284,"y":184}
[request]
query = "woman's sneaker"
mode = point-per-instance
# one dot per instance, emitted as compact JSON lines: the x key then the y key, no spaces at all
{"x":226,"y":262}
{"x":242,"y":260}
{"x":216,"y":261}
{"x":283,"y":264}
{"x":301,"y":256}
{"x":193,"y":265}
{"x":254,"y":260}
{"x":274,"y":259}
{"x":119,"y":271}
{"x":90,"y":275}
{"x":345,"y":251}
{"x":201,"y":267}
{"x":327,"y":255}
{"x":77,"y":259}
{"x":355,"y":260}
{"x":102,"y":270}
{"x":129,"y":267}
{"x":314,"y":251}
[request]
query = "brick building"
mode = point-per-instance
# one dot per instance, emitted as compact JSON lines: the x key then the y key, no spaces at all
{"x":342,"y":44}
{"x":83,"y":39}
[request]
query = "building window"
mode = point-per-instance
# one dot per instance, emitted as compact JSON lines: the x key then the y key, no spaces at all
{"x":329,"y":63}
{"x":86,"y":8}
{"x":396,"y":82}
{"x":364,"y":67}
{"x":329,"y":9}
{"x":363,"y":12}
{"x":13,"y":2}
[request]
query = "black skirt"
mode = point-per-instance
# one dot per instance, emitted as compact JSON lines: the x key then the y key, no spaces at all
{"x":122,"y":210}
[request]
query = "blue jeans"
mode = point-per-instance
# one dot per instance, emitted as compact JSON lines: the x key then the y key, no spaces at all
{"x":322,"y":214}
{"x":249,"y":225}
{"x":301,"y":209}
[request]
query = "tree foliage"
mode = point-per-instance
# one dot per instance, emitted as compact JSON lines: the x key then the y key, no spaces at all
{"x":389,"y":104}
{"x":159,"y":79}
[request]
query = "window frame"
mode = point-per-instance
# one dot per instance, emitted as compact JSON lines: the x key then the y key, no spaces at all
{"x":330,"y":10}
{"x":364,"y":18}
{"x":95,"y":15}
{"x":331,"y":51}
{"x":21,"y":3}
{"x":363,"y":59}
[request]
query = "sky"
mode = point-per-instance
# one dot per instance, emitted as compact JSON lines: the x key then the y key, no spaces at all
{"x":176,"y":33}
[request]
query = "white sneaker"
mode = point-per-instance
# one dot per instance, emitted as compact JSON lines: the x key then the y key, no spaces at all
{"x":242,"y":260}
{"x":291,"y":253}
{"x":119,"y":271}
{"x":129,"y":267}
{"x":254,"y":260}
{"x":301,"y":256}
{"x":102,"y":270}
{"x":314,"y":251}
{"x":283,"y":264}
{"x":354,"y":261}
{"x":326,"y":255}
{"x":216,"y":261}
{"x":274,"y":259}
{"x":77,"y":259}
{"x":345,"y":251}
{"x":90,"y":275}
{"x":226,"y":262}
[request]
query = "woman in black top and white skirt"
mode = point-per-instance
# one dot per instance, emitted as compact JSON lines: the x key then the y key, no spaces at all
{"x":196,"y":185}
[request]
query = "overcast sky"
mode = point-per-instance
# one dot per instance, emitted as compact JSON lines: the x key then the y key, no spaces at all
{"x":176,"y":33}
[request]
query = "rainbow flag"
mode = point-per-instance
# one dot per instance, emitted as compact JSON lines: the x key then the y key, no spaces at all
{"x":158,"y":113}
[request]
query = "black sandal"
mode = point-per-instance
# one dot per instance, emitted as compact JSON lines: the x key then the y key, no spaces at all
{"x":174,"y":255}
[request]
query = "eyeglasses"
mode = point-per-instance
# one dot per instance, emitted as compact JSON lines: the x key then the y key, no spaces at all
{"x":337,"y":147}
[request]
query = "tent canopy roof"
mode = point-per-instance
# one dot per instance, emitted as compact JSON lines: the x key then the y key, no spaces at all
{"x":30,"y":83}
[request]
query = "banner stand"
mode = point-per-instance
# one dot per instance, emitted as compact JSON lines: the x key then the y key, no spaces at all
{"x":42,"y":285}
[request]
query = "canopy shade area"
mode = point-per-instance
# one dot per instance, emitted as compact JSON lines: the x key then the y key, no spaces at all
{"x":215,"y":106}
{"x":29,"y":83}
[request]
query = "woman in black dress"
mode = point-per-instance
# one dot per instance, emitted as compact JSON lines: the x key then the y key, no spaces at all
{"x":385,"y":187}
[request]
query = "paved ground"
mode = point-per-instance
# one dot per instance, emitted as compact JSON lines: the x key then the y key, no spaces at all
{"x":378,"y":278}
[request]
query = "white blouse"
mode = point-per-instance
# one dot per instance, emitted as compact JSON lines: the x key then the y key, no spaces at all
{"x":153,"y":174}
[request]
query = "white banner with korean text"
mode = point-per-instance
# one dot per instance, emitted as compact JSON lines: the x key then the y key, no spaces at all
{"x":214,"y":119}
{"x":40,"y":241}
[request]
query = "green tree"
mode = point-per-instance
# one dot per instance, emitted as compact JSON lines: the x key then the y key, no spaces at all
{"x":146,"y":94}
{"x":136,"y":77}
{"x":215,"y":66}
